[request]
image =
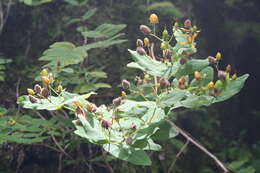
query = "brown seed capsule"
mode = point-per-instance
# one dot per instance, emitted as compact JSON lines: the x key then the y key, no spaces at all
{"x":117,"y":101}
{"x":182,"y":80}
{"x":37,"y":89}
{"x":228,"y":68}
{"x":129,"y":140}
{"x":32,"y":99}
{"x":187,"y":24}
{"x":222,"y":75}
{"x":106,"y":124}
{"x":140,"y":50}
{"x":145,"y":29}
{"x":78,"y":122}
{"x":80,"y":111}
{"x":45,"y":92}
{"x":182,"y":61}
{"x":125,"y":84}
{"x":212,"y":60}
{"x":168,"y":53}
{"x":197,"y":75}
{"x":139,"y":43}
{"x":164,"y":83}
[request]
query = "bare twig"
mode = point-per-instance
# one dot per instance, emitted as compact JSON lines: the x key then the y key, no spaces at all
{"x":107,"y":164}
{"x":200,"y":146}
{"x":178,"y":155}
{"x":4,"y":14}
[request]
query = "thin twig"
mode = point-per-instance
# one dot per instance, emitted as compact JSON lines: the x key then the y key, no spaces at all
{"x":200,"y":146}
{"x":178,"y":155}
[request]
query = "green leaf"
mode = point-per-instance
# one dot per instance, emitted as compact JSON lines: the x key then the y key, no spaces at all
{"x":171,"y":98}
{"x":165,"y":132}
{"x":132,"y":155}
{"x":232,"y":88}
{"x":194,"y":101}
{"x":88,"y":14}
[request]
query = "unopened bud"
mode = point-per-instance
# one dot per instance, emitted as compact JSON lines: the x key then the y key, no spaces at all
{"x":139,"y":43}
{"x":129,"y":140}
{"x":165,"y":34}
{"x":212,"y":60}
{"x":60,"y":88}
{"x":45,"y":80}
{"x":164,"y":83}
{"x":182,"y":61}
{"x":140,"y":51}
{"x":153,"y":18}
{"x":125,"y":84}
{"x":182,"y":80}
{"x":117,"y":101}
{"x":228,"y":68}
{"x":32,"y":99}
{"x":145,"y":29}
{"x":45,"y":92}
{"x":44,"y":72}
{"x":219,"y":84}
{"x":146,"y":41}
{"x":210,"y":85}
{"x":30,"y":91}
{"x":218,"y":56}
{"x":222,"y":75}
{"x":197,"y":75}
{"x":106,"y":124}
{"x":234,"y":76}
{"x":123,"y":94}
{"x":163,"y":45}
{"x":187,"y":24}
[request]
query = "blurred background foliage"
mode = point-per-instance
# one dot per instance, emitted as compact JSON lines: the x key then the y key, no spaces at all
{"x":29,"y":27}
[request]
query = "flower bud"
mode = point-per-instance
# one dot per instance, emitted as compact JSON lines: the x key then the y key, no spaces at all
{"x":30,"y":91}
{"x":129,"y":140}
{"x":91,"y":107}
{"x":163,"y":45}
{"x":176,"y":24}
{"x":32,"y":99}
{"x":197,"y":75}
{"x":182,"y":61}
{"x":44,"y":72}
{"x":212,"y":60}
{"x":234,"y":76}
{"x":140,"y":51}
{"x":164,"y":83}
{"x":187,"y":24}
{"x":60,"y":88}
{"x":218,"y":56}
{"x":219,"y":84}
{"x":153,"y":18}
{"x":125,"y":84}
{"x":123,"y":94}
{"x":165,"y":34}
{"x":168,"y":53}
{"x":139,"y":43}
{"x":228,"y":68}
{"x":145,"y":29}
{"x":117,"y":101}
{"x":45,"y":80}
{"x":37,"y":88}
{"x":210,"y":85}
{"x":146,"y":41}
{"x":182,"y":80}
{"x":222,"y":75}
{"x":106,"y":124}
{"x":45,"y":92}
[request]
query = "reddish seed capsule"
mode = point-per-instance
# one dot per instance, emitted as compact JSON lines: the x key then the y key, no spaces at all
{"x":182,"y":86}
{"x":145,"y":29}
{"x":45,"y":92}
{"x":117,"y":101}
{"x":91,"y":107}
{"x":182,"y":61}
{"x":212,"y":60}
{"x":222,"y":75}
{"x":32,"y":99}
{"x":129,"y":140}
{"x":182,"y":80}
{"x":164,"y":83}
{"x":125,"y":84}
{"x":37,"y":89}
{"x":187,"y":24}
{"x":138,"y":80}
{"x":106,"y":124}
{"x":139,"y":43}
{"x":140,"y":50}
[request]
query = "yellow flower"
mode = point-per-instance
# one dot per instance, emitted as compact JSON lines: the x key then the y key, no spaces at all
{"x":146,"y":41}
{"x":153,"y":18}
{"x":211,"y":85}
{"x":30,"y":91}
{"x":44,"y":72}
{"x":218,"y":56}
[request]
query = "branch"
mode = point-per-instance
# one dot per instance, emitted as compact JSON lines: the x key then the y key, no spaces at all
{"x":200,"y":146}
{"x":178,"y":155}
